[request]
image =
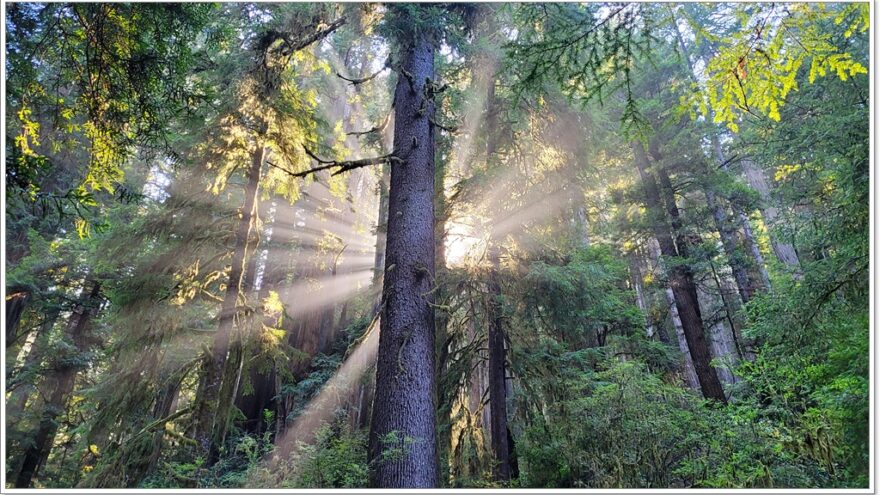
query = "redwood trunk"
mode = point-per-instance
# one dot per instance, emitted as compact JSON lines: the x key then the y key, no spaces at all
{"x":403,"y":450}
{"x":15,"y":304}
{"x":680,"y":280}
{"x":497,"y":372}
{"x":784,"y":251}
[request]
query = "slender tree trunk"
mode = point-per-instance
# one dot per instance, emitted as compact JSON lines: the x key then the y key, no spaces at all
{"x":62,"y":380}
{"x":443,"y":398}
{"x":165,"y":402}
{"x":581,"y":222}
{"x":680,"y":280}
{"x":499,"y":435}
{"x":260,"y":374}
{"x":213,"y":416}
{"x":403,"y":449}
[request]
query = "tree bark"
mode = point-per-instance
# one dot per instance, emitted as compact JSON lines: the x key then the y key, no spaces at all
{"x":15,"y":304}
{"x":403,"y":449}
{"x":499,"y":435}
{"x":213,"y":413}
{"x":381,"y":234}
{"x":63,"y":380}
{"x":738,"y":264}
{"x":728,"y":243}
{"x":636,"y":277}
{"x":680,"y":278}
{"x":501,"y":449}
{"x":784,"y":251}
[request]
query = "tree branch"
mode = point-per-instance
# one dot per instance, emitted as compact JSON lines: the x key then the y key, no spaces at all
{"x":362,"y":80}
{"x":379,"y":128}
{"x":316,"y":36}
{"x":449,"y":129}
{"x":341,"y":166}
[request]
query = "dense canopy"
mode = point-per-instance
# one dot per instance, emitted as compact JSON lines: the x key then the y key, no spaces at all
{"x":533,"y":245}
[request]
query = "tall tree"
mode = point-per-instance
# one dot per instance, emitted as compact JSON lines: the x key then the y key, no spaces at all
{"x":680,"y":277}
{"x":63,"y":381}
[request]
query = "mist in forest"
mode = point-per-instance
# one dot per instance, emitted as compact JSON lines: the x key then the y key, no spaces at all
{"x":458,"y":245}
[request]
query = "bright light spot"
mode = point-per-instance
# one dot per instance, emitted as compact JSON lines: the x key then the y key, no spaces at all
{"x":461,"y":244}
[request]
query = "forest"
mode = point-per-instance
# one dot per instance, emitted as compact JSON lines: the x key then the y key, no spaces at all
{"x":449,"y":245}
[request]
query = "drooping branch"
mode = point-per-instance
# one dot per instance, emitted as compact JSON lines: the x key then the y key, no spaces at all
{"x":340,"y":166}
{"x":447,"y":128}
{"x":361,"y":80}
{"x":378,"y":128}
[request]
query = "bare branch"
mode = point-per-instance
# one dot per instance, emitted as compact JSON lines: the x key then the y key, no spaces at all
{"x":450,"y":129}
{"x":379,"y":128}
{"x":340,"y":166}
{"x":362,"y":80}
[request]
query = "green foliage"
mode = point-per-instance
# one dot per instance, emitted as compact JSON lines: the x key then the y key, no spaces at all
{"x":337,"y":459}
{"x":129,"y":128}
{"x":757,"y":67}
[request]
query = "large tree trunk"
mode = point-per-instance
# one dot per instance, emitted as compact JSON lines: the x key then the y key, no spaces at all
{"x":690,"y":373}
{"x":403,"y":449}
{"x":213,"y":413}
{"x":501,"y":448}
{"x":37,"y":351}
{"x":15,"y":304}
{"x":636,"y":277}
{"x":784,"y":251}
{"x":381,"y":235}
{"x":62,"y":381}
{"x":737,"y":261}
{"x":680,"y":279}
{"x":728,"y":242}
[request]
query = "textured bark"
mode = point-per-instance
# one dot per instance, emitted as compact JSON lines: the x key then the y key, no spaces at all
{"x":15,"y":304}
{"x":381,"y":234}
{"x":784,"y":251}
{"x":690,"y":373}
{"x":497,"y":373}
{"x":720,"y":335}
{"x":680,"y":276}
{"x":211,"y":429}
{"x":62,"y":380}
{"x":403,"y":450}
{"x":728,"y":243}
{"x":752,"y":245}
{"x":636,"y":277}
{"x":738,"y":264}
